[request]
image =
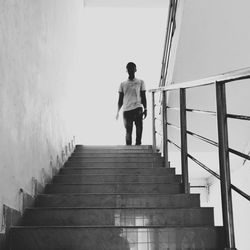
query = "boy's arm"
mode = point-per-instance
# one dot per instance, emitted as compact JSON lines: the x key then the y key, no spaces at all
{"x":120,"y":103}
{"x":144,"y":103}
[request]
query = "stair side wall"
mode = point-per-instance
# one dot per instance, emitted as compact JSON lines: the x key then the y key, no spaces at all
{"x":39,"y":43}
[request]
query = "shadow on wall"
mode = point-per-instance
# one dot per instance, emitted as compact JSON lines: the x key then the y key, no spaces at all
{"x":12,"y":217}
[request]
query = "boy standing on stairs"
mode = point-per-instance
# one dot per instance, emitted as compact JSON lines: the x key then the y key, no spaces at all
{"x":132,"y":96}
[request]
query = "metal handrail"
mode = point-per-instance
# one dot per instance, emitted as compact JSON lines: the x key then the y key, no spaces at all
{"x":195,"y":110}
{"x":197,"y":161}
{"x":246,"y":196}
{"x":202,"y":138}
{"x":206,"y":112}
{"x":239,"y":117}
{"x":209,"y":141}
{"x":157,"y":119}
{"x":239,"y":191}
{"x":168,"y":40}
{"x":235,"y":75}
{"x":226,"y":186}
{"x":233,"y":151}
{"x":158,"y":133}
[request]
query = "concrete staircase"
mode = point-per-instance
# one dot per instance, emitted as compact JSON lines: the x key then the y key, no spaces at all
{"x":116,"y":198}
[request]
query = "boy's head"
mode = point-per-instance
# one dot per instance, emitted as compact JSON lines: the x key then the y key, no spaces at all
{"x":131,"y":67}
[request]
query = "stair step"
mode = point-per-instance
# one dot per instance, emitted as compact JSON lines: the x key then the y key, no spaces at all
{"x":115,"y":155}
{"x":119,"y":171}
{"x":115,"y":164}
{"x":113,"y":238}
{"x":112,"y":150}
{"x":118,"y":200}
{"x":118,"y":216}
{"x":113,"y":147}
{"x":94,"y":179}
{"x":114,"y":188}
{"x":115,"y":159}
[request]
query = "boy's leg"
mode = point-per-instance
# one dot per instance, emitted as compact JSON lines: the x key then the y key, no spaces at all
{"x":139,"y":125}
{"x":128,"y":124}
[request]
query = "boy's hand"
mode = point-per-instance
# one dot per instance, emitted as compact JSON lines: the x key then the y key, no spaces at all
{"x":144,"y":114}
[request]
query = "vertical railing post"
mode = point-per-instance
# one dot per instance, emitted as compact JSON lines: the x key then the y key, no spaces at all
{"x":184,"y":153}
{"x":153,"y":122}
{"x":226,"y":194}
{"x":164,"y":128}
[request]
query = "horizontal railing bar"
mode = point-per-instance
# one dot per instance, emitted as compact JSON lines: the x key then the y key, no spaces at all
{"x":195,"y":111}
{"x":196,"y":135}
{"x":197,"y":162}
{"x":174,"y":126}
{"x":174,"y":144}
{"x":175,"y":108}
{"x":233,"y":151}
{"x":198,"y":187}
{"x":158,"y":119}
{"x":158,"y":133}
{"x":202,"y":111}
{"x":245,"y":195}
{"x":240,"y":117}
{"x":203,"y":138}
{"x":240,"y":74}
{"x":204,"y":166}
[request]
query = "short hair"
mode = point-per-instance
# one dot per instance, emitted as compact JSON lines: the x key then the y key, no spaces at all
{"x":130,"y":65}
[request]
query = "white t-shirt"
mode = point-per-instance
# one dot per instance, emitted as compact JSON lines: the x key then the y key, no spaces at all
{"x":132,"y":93}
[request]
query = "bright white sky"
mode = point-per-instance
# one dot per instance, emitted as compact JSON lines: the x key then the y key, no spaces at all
{"x":113,"y":37}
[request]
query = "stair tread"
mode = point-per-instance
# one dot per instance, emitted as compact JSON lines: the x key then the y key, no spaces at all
{"x":126,"y":169}
{"x":107,"y":193}
{"x":114,"y":146}
{"x":114,"y":155}
{"x":97,"y":237}
{"x":138,"y":175}
{"x":120,"y":168}
{"x":117,"y":194}
{"x":118,"y":208}
{"x":112,"y":226}
{"x":111,"y":183}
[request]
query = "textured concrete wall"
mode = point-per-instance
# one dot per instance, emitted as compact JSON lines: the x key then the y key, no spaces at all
{"x":40,"y":45}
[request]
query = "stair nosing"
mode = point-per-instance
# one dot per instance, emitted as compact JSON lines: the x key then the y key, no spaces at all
{"x":137,"y":175}
{"x":118,"y":168}
{"x":118,"y":183}
{"x":113,"y":226}
{"x":116,"y":194}
{"x":119,"y":208}
{"x":112,"y":183}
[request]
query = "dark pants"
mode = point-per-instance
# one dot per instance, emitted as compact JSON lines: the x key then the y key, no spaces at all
{"x":130,"y":117}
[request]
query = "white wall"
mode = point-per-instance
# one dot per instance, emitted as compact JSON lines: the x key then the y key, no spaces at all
{"x":126,"y":3}
{"x":241,"y":206}
{"x":112,"y":38}
{"x":214,"y":38}
{"x":40,"y":51}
